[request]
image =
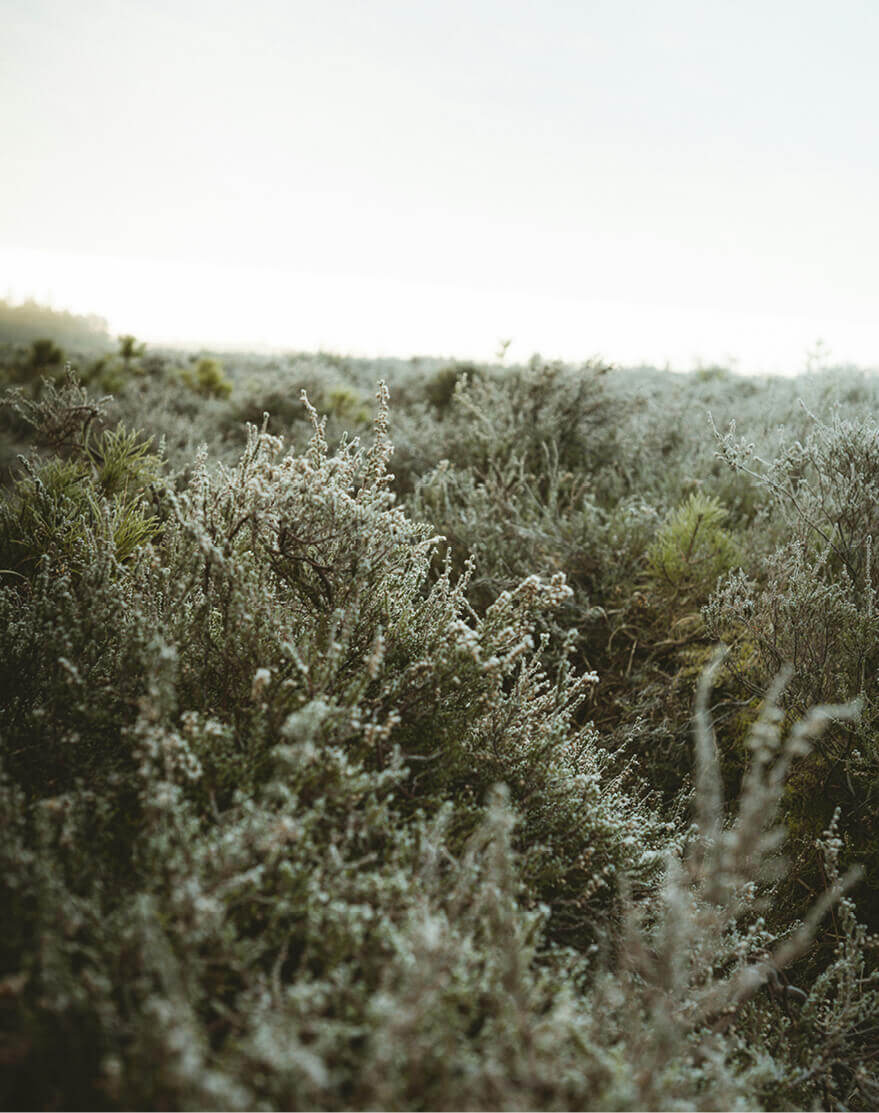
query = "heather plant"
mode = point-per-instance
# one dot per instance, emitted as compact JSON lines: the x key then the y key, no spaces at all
{"x":275,"y":388}
{"x":811,"y":602}
{"x":307,"y":558}
{"x":639,"y":567}
{"x":106,"y":373}
{"x":415,"y":971}
{"x":515,"y":413}
{"x":290,"y":596}
{"x":703,"y":975}
{"x":313,"y":797}
{"x":824,"y":489}
{"x":178,"y":417}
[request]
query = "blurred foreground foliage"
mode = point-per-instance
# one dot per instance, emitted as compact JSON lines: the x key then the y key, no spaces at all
{"x":325,"y":785}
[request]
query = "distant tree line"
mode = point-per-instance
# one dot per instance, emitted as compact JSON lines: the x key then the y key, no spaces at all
{"x":29,"y":321}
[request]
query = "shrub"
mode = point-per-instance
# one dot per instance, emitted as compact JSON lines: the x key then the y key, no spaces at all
{"x":440,"y":387}
{"x":44,"y":354}
{"x":811,"y":603}
{"x":129,"y":350}
{"x":305,"y":808}
{"x":346,"y":404}
{"x":91,"y":499}
{"x":208,"y":379}
{"x":692,"y":550}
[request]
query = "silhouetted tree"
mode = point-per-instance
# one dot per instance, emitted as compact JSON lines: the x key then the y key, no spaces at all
{"x":129,"y":349}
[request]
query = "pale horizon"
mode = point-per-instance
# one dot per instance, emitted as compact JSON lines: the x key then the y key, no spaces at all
{"x":673,"y":185}
{"x":183,"y":299}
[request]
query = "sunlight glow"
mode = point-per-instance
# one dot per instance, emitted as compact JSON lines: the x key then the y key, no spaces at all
{"x":225,"y":307}
{"x":674,"y":183}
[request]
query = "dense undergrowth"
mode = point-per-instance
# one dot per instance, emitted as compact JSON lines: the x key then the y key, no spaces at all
{"x":386,"y":758}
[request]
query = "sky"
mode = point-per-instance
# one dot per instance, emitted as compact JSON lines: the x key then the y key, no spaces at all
{"x":682,"y":182}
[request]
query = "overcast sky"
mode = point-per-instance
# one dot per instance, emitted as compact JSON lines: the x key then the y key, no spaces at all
{"x":662,"y":180}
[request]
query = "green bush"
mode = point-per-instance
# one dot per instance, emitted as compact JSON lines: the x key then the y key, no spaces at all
{"x":208,"y":379}
{"x":692,"y":550}
{"x":344,"y":403}
{"x":45,"y":354}
{"x":129,"y":350}
{"x":91,"y":498}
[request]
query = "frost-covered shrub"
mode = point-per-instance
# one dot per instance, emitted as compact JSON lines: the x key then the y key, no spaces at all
{"x":301,"y":569}
{"x":277,"y":646}
{"x":303,"y":808}
{"x":516,"y":413}
{"x":811,"y":603}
